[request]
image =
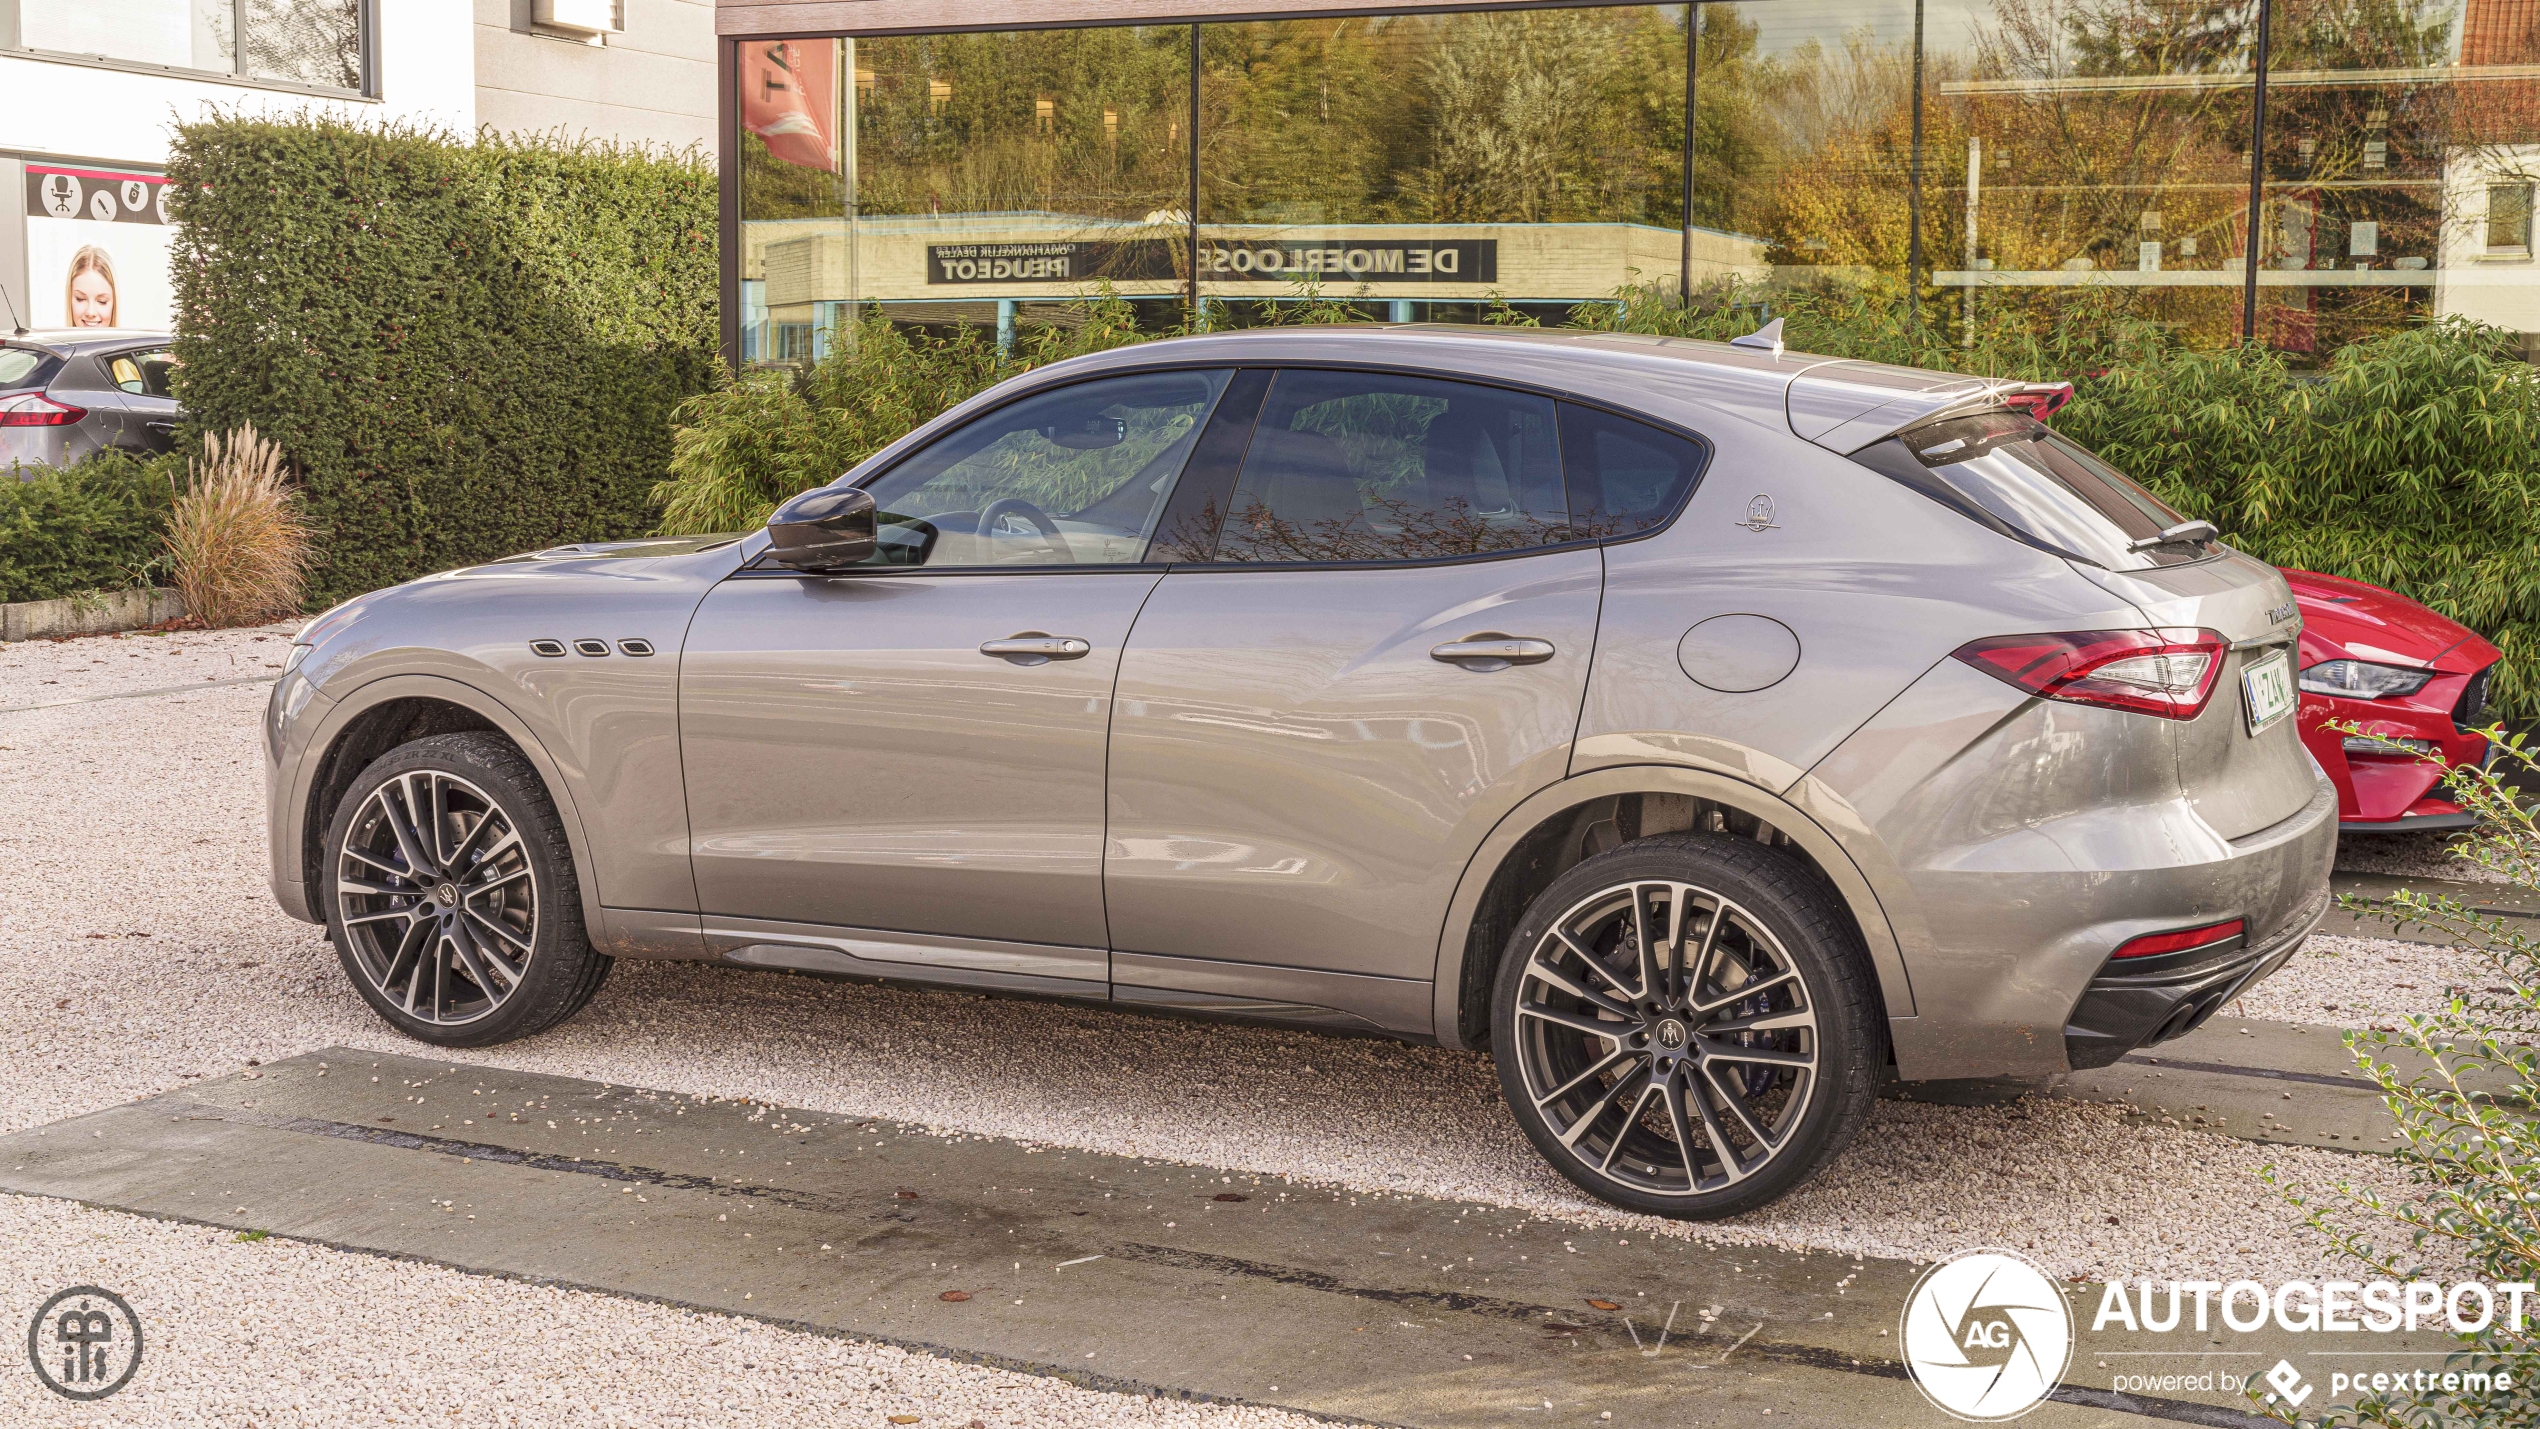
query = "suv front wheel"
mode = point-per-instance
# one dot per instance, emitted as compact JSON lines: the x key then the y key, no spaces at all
{"x":451,"y":895}
{"x":1688,"y":1025}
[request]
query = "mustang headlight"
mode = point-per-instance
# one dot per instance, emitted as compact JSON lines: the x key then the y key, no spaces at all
{"x":2361,"y":680}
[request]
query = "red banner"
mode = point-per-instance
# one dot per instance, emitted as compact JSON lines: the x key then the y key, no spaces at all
{"x":789,"y":91}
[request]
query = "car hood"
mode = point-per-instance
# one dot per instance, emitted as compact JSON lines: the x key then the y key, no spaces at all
{"x":2345,"y":619}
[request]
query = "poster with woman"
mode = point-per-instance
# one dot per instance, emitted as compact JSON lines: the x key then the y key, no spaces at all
{"x":97,"y":245}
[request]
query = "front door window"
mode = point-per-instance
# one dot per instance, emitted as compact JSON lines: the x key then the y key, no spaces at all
{"x":1072,"y":477}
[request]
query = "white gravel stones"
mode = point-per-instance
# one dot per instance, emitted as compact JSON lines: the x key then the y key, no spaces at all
{"x":139,"y":949}
{"x":2363,"y":982}
{"x":34,"y":672}
{"x":277,"y":1333}
{"x":2413,"y":855}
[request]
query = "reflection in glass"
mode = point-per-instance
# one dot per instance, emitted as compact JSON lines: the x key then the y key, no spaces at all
{"x":1078,"y":476}
{"x":1352,"y":466}
{"x":972,"y":178}
{"x":313,"y":42}
{"x":2400,"y":153}
{"x":1427,"y":166}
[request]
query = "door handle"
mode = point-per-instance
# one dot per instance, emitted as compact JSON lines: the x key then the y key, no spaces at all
{"x":1033,"y":648}
{"x":1493,"y":651}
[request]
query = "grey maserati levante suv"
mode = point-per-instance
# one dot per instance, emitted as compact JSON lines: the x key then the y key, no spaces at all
{"x":1706,"y":730}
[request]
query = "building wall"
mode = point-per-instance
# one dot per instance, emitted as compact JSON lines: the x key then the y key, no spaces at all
{"x":652,"y":85}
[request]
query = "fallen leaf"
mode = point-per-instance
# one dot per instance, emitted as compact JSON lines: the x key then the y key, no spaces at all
{"x":907,"y":1195}
{"x":903,"y":1418}
{"x":1230,"y":1196}
{"x":1605,"y":1305}
{"x":956,"y":1296}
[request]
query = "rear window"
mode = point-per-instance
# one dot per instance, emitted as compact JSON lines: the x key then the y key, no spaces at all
{"x":22,"y":368}
{"x":2016,"y":475}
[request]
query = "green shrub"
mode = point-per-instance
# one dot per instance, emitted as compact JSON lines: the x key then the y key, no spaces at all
{"x":463,"y":349}
{"x":96,"y":526}
{"x":2462,"y":1084}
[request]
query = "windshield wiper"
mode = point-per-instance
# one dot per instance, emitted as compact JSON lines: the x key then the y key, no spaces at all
{"x":2183,"y":531}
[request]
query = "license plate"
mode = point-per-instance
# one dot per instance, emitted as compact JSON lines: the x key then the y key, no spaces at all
{"x":2269,"y":686}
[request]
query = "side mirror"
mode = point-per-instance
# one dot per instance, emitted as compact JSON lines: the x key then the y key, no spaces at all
{"x":822,"y":530}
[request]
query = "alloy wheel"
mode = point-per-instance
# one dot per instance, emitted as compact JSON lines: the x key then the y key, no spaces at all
{"x":1667,"y":1038}
{"x":437,"y":897}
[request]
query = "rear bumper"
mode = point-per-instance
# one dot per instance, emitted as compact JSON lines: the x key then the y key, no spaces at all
{"x":2126,"y":1007}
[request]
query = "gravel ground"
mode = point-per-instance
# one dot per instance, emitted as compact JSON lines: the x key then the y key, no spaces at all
{"x":2362,"y":982}
{"x":330,"y":1338}
{"x":2416,"y":855}
{"x":139,"y":949}
{"x":38,"y":672}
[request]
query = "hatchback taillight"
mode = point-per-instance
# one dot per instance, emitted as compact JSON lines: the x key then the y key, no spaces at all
{"x":34,"y":409}
{"x":2170,"y":673}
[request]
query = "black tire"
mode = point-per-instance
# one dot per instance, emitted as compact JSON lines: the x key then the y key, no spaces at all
{"x":458,"y":956}
{"x":1784,"y":981}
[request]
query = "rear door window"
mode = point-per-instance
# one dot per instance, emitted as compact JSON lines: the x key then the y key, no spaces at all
{"x":1360,"y":466}
{"x":149,"y":373}
{"x":2016,"y":475}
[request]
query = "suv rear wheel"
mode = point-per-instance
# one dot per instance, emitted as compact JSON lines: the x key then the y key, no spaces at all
{"x":1688,"y":1025}
{"x":452,"y":899}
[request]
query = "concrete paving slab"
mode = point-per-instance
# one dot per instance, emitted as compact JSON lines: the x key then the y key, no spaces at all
{"x":2290,"y":1083}
{"x":1145,"y":1276}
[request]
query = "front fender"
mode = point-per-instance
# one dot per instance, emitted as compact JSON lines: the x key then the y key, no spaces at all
{"x":293,"y":795}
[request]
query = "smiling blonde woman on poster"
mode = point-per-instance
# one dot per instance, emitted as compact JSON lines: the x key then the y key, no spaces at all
{"x":88,"y":294}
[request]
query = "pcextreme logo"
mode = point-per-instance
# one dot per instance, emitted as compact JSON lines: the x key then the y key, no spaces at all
{"x":1987,"y":1335}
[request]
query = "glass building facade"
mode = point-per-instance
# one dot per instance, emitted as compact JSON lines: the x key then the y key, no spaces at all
{"x":2306,"y":173}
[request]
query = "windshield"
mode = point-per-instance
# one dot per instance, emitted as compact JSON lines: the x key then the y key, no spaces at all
{"x":2015,"y":474}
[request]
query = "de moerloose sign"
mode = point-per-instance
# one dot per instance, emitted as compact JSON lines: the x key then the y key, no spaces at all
{"x":1338,"y":260}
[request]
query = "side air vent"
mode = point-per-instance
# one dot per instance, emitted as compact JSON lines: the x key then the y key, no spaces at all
{"x":635,"y":647}
{"x":552,"y":649}
{"x":592,"y":647}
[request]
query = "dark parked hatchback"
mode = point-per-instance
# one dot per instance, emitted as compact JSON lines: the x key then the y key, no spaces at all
{"x":68,"y":393}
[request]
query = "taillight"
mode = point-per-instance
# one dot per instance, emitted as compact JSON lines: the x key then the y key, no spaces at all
{"x":2154,"y":944}
{"x":2170,"y":673}
{"x":34,"y":409}
{"x":2039,"y":399}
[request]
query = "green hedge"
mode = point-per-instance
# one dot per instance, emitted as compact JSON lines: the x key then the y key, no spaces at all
{"x":96,"y":526}
{"x":464,"y":349}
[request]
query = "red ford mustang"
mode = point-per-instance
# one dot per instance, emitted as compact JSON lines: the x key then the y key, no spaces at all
{"x":2379,"y":660}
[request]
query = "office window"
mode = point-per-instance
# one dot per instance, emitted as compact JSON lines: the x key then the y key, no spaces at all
{"x":318,"y":43}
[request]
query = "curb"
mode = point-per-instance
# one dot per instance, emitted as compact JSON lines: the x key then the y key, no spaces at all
{"x":92,"y":613}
